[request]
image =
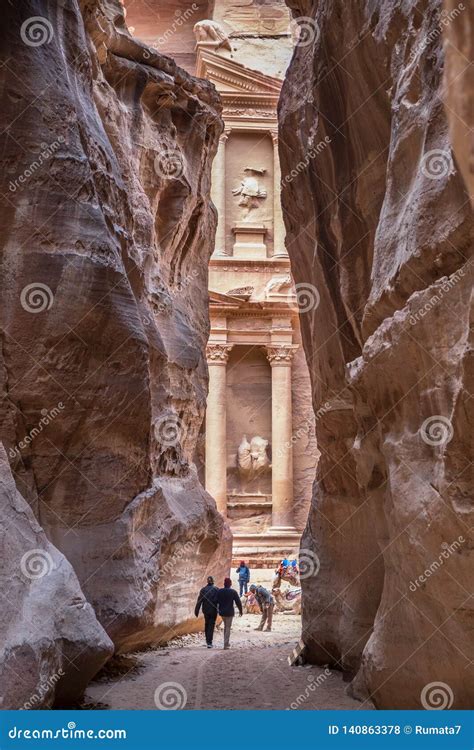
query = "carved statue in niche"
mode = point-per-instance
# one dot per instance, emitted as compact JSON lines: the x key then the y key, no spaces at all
{"x":213,"y":33}
{"x":252,"y":459}
{"x":251,"y":194}
{"x":279,"y":285}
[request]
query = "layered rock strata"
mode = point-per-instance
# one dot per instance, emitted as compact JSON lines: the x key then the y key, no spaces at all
{"x":380,"y":228}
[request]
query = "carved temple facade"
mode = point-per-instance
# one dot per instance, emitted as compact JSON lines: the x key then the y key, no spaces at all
{"x":258,"y":450}
{"x":259,"y":442}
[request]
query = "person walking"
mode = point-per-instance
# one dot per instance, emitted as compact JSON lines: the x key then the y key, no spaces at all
{"x":207,"y":599}
{"x":266,"y":602}
{"x":226,"y":598}
{"x":243,"y":572}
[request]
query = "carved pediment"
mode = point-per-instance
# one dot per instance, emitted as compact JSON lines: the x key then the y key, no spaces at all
{"x":233,"y":79}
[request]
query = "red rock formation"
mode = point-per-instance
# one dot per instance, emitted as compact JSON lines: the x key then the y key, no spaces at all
{"x":379,"y":223}
{"x":106,"y":229}
{"x":51,"y":651}
{"x":458,"y":30}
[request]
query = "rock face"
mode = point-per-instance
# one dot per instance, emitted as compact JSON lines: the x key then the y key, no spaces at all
{"x":52,"y":652}
{"x":458,"y":30}
{"x":106,"y":233}
{"x":380,"y":227}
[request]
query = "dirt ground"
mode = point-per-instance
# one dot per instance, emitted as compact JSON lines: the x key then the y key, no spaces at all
{"x":253,"y":674}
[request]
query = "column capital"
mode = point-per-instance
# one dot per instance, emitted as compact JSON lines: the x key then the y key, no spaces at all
{"x":224,"y":136}
{"x":280,"y":354}
{"x":218,"y":354}
{"x":274,"y":136}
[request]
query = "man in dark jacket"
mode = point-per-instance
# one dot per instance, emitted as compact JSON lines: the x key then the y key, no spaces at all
{"x":266,"y":602}
{"x":243,"y":572}
{"x":207,"y":599}
{"x":226,"y":598}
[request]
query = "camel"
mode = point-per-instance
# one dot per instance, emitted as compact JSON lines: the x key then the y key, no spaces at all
{"x":289,"y":573}
{"x":288,"y":602}
{"x":250,"y":605}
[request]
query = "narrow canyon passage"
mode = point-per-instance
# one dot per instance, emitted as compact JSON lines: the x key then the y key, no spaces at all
{"x":236,"y":285}
{"x":253,"y":674}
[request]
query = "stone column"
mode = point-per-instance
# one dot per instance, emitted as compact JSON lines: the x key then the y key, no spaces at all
{"x":216,"y":438}
{"x":280,"y":357}
{"x":219,"y":193}
{"x":279,"y":249}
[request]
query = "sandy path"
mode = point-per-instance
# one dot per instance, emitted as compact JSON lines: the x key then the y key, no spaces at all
{"x":253,"y":674}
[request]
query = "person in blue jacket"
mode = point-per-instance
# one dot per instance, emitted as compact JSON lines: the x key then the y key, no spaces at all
{"x":226,"y":598}
{"x":243,"y":572}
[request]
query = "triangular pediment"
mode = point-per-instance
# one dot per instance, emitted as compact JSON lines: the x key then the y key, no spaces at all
{"x":219,"y":298}
{"x":234,"y":79}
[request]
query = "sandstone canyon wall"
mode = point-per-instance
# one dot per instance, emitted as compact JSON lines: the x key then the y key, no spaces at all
{"x":380,"y":227}
{"x":106,"y":229}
